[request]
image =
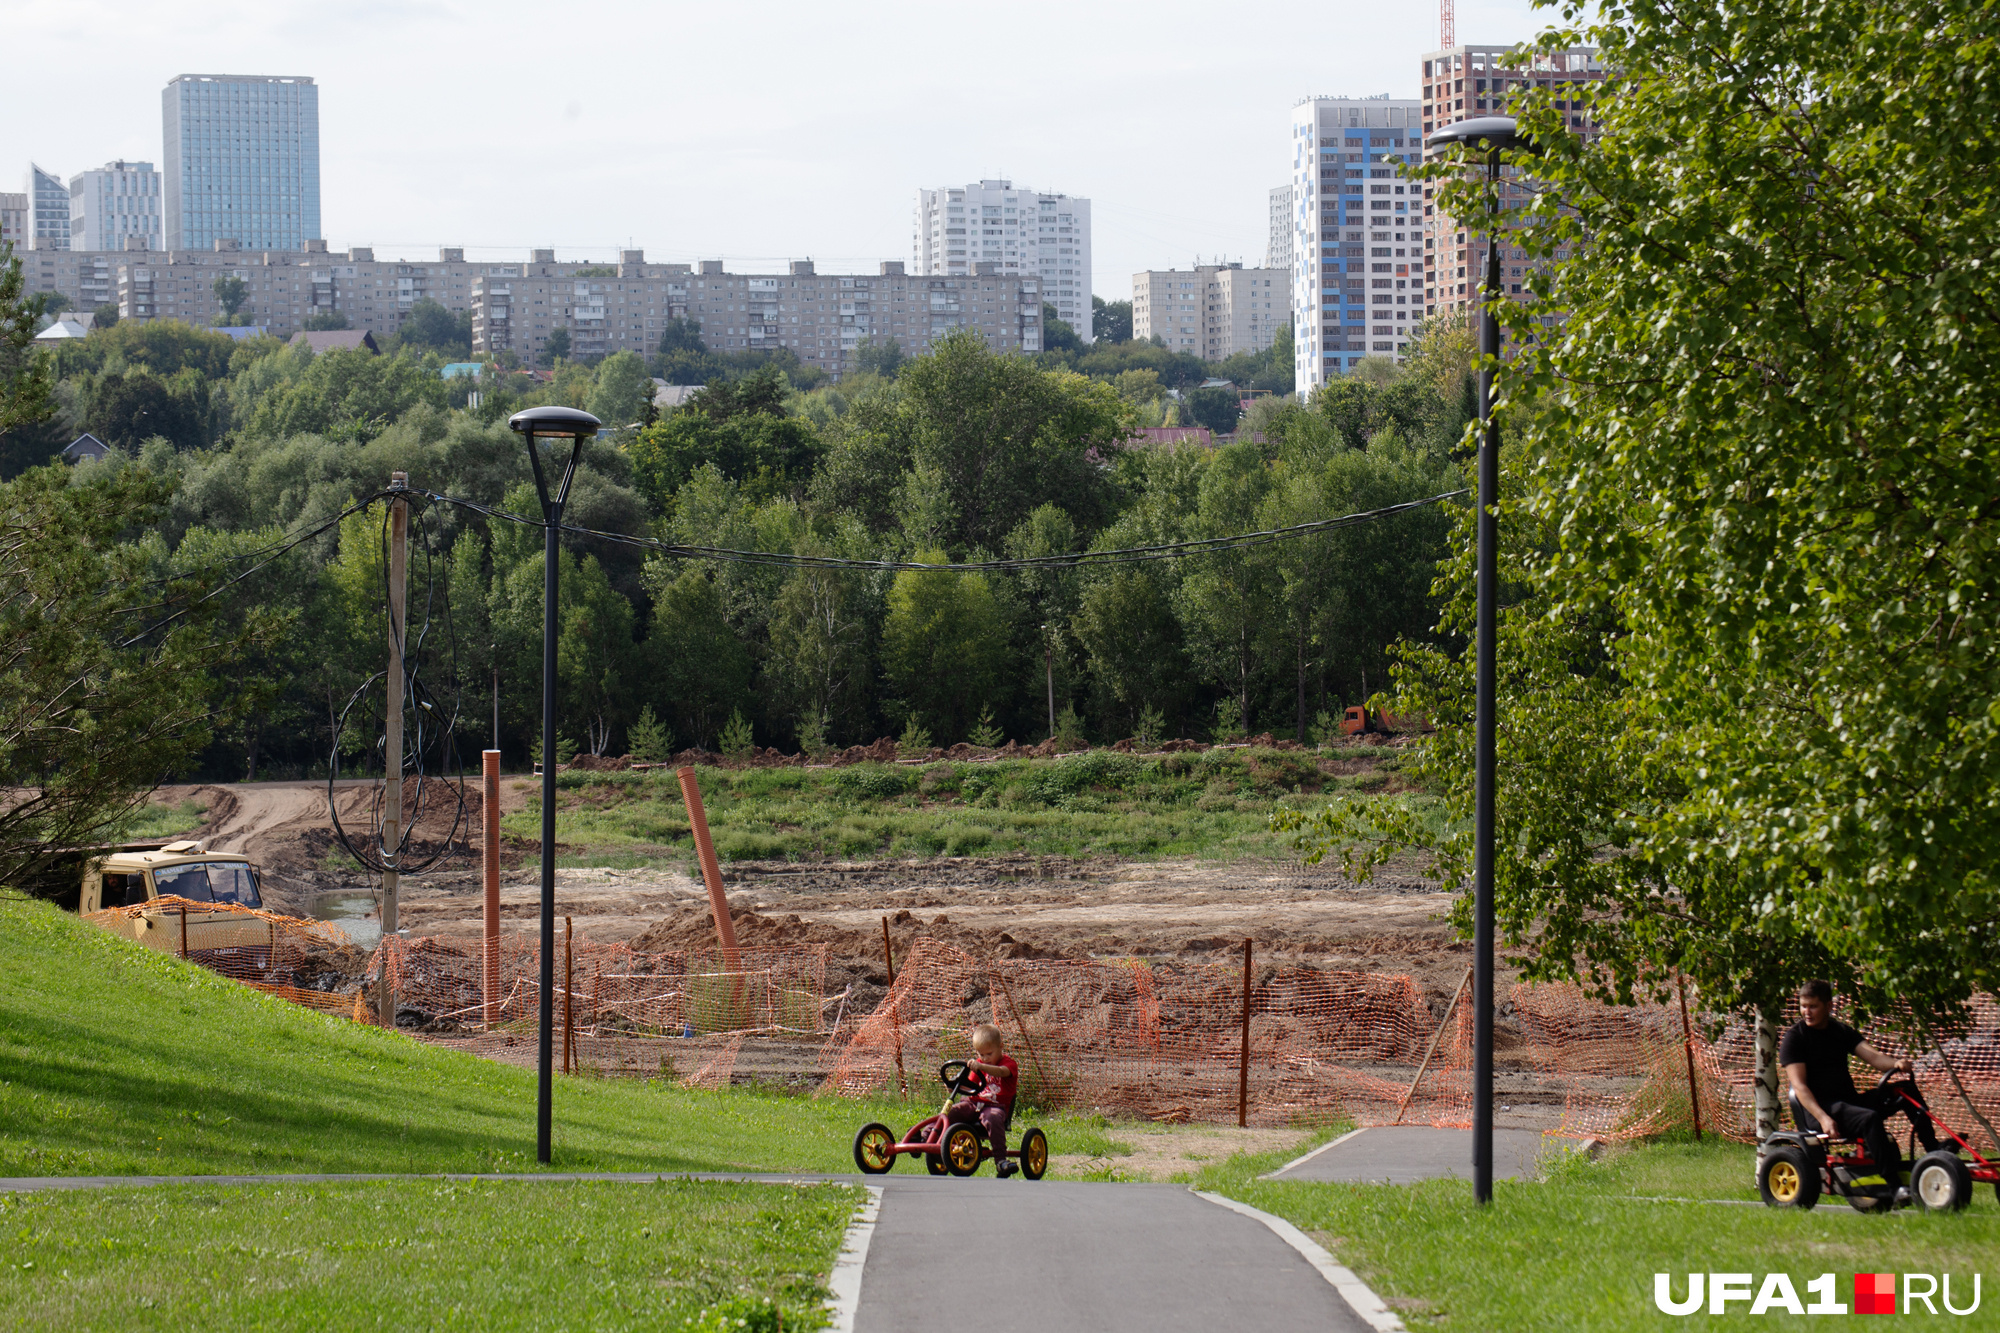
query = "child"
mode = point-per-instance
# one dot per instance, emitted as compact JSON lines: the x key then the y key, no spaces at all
{"x":990,"y":1106}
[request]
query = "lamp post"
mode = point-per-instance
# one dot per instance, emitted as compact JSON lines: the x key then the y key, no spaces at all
{"x":560,"y":423}
{"x":1491,"y":135}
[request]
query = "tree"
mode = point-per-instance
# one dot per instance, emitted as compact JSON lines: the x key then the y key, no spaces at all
{"x":595,"y":656}
{"x":555,"y":347}
{"x":104,"y":316}
{"x":819,"y":647}
{"x":873,"y":357}
{"x":1746,"y":712}
{"x":324,"y":321}
{"x":54,"y":303}
{"x":1110,"y":321}
{"x":681,"y":335}
{"x":623,"y":390}
{"x":108,"y":660}
{"x":1127,"y":626}
{"x":230,"y":292}
{"x":1057,"y":335}
{"x":430,"y":326}
{"x":943,"y":646}
{"x":25,"y":380}
{"x":1214,"y":408}
{"x":741,"y":428}
{"x":127,"y":410}
{"x":697,"y":670}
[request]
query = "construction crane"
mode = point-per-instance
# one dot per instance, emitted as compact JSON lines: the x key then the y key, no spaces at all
{"x":1447,"y":26}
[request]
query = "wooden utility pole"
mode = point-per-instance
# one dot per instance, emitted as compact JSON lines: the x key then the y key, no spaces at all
{"x":392,"y":753}
{"x":1431,"y":1050}
{"x":1687,"y":1046}
{"x":896,"y":1019}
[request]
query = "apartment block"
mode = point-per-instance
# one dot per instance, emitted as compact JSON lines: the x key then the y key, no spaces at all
{"x":14,"y":220}
{"x":1024,"y":232}
{"x":820,"y":317}
{"x":1358,"y":267}
{"x":242,"y":161}
{"x":48,"y":210}
{"x":1279,"y":245}
{"x":117,"y":201}
{"x":1211,"y":310}
{"x":1473,"y":81}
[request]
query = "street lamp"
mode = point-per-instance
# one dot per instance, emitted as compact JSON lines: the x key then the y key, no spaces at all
{"x":559,"y":423}
{"x":1491,"y":135}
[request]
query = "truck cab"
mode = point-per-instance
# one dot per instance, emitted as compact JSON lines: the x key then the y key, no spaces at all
{"x":185,"y":870}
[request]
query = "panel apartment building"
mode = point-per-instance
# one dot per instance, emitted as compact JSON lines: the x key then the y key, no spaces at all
{"x":1472,"y":81}
{"x":515,"y":307}
{"x":1358,"y":267}
{"x":1211,"y":310}
{"x":1028,"y":232}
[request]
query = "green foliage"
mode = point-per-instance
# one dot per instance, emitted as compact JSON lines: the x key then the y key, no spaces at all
{"x":739,"y":428}
{"x":1217,"y":409}
{"x":25,"y":381}
{"x":1057,"y":335}
{"x":1110,"y":321}
{"x":986,"y":733}
{"x":325,"y":321}
{"x":681,"y":335}
{"x":565,"y":751}
{"x":104,"y":316}
{"x":230,"y":292}
{"x":347,"y":393}
{"x":737,"y":741}
{"x":1069,"y":728}
{"x":623,"y":390}
{"x":915,"y":741}
{"x":942,"y":644}
{"x":1747,"y":724}
{"x":555,"y":347}
{"x":650,"y":740}
{"x":430,"y":327}
{"x":699,"y":671}
{"x":1151,"y":726}
{"x":878,"y":357}
{"x":1228,"y":721}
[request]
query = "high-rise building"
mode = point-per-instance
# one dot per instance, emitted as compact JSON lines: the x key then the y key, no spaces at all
{"x":242,"y":161}
{"x":14,"y":220}
{"x":1278,"y":247}
{"x":1020,"y":232}
{"x":1211,"y":310}
{"x":48,"y":210}
{"x":113,"y":204}
{"x":1358,"y":262}
{"x":1472,"y":81}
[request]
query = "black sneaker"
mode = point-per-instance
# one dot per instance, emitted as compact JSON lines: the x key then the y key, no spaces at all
{"x":1004,"y":1169}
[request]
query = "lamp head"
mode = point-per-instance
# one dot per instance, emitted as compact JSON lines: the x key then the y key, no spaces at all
{"x":1483,"y":134}
{"x":562,"y":422}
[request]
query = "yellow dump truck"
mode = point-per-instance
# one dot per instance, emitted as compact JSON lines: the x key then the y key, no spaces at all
{"x":186,"y":870}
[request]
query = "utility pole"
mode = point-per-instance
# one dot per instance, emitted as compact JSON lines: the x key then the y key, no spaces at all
{"x":392,"y":752}
{"x":1049,"y":669}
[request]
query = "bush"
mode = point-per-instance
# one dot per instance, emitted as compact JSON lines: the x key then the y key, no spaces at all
{"x":874,"y":781}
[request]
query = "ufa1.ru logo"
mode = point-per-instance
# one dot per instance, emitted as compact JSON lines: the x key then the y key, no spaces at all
{"x":1874,"y":1293}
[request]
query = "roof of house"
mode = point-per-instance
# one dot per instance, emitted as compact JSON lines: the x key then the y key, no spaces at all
{"x":667,"y":395}
{"x":336,"y":340}
{"x":241,"y":331}
{"x":458,"y":368}
{"x":1172,"y":435}
{"x":84,"y":446}
{"x":66,"y":326}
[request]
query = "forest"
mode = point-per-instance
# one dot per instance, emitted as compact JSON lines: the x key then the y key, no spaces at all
{"x":959,"y":455}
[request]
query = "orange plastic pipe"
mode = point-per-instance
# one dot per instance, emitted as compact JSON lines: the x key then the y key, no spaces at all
{"x":711,"y":871}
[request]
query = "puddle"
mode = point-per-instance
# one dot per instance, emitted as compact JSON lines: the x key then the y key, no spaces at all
{"x":353,"y":912}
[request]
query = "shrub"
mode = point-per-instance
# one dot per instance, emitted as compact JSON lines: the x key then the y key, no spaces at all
{"x":737,"y":739}
{"x":874,"y":781}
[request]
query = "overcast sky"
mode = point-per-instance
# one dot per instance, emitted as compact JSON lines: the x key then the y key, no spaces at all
{"x":754,"y":133}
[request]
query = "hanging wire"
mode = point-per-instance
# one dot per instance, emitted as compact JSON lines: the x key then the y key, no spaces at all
{"x":430,"y":720}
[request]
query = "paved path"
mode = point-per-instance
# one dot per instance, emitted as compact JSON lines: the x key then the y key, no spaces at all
{"x":1058,"y":1255}
{"x":1400,"y":1154}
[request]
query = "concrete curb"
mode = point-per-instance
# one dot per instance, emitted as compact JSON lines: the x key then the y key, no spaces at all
{"x":1358,"y":1295}
{"x":844,"y":1283}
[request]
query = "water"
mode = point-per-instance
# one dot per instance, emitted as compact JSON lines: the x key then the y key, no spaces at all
{"x":353,"y":912}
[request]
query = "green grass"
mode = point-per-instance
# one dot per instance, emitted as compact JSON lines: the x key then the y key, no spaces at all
{"x":157,"y":819}
{"x":116,"y":1060}
{"x":430,"y":1254}
{"x":1578,"y":1249}
{"x":1213,"y":803}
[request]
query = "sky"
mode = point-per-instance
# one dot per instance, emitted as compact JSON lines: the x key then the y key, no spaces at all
{"x":753,"y":134}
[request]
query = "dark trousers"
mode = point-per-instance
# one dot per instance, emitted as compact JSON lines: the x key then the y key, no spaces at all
{"x":990,"y":1118}
{"x":1866,"y":1118}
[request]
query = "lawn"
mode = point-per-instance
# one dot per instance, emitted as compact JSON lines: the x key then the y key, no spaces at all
{"x":1213,"y":803}
{"x":116,"y":1060}
{"x":427,"y":1254}
{"x":1578,"y":1250}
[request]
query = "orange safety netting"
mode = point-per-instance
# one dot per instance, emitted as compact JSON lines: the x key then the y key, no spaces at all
{"x":1154,"y":1039}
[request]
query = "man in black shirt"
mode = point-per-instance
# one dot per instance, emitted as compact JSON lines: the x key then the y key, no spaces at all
{"x":1824,"y":1100}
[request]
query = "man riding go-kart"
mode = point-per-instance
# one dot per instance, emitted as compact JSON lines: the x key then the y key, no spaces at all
{"x":1814,"y":1054}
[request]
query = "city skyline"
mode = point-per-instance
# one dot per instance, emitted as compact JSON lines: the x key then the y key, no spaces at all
{"x":715,"y":160}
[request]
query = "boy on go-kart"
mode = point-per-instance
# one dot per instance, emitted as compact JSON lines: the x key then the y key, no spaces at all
{"x":1814,"y":1055}
{"x":990,"y":1106}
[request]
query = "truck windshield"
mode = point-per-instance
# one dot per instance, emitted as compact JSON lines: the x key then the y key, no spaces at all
{"x":210,"y":882}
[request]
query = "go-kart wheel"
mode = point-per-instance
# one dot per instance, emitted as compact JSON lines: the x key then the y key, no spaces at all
{"x":934,"y":1163}
{"x":1034,"y":1154}
{"x":872,"y":1149}
{"x":1786,"y":1179}
{"x":961,"y":1151}
{"x":1940,"y":1183}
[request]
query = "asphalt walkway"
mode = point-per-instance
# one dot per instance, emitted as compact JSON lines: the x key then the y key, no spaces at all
{"x":1402,"y":1154}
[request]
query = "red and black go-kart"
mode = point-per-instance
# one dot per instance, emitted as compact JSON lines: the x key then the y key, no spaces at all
{"x":1794,"y":1169}
{"x":958,"y":1152}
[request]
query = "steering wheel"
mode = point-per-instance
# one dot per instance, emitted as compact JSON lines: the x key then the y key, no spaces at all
{"x":953,"y":1074}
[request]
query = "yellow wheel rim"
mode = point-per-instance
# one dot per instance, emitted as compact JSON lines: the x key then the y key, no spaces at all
{"x":1784,"y":1182}
{"x":964,"y":1151}
{"x":875,"y":1148}
{"x":1038,"y":1154}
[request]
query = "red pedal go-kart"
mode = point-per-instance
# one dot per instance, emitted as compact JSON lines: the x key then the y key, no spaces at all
{"x":957,"y":1152}
{"x":1795,"y":1168}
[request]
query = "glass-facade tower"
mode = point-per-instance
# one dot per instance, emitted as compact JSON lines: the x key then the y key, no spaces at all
{"x":242,"y":161}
